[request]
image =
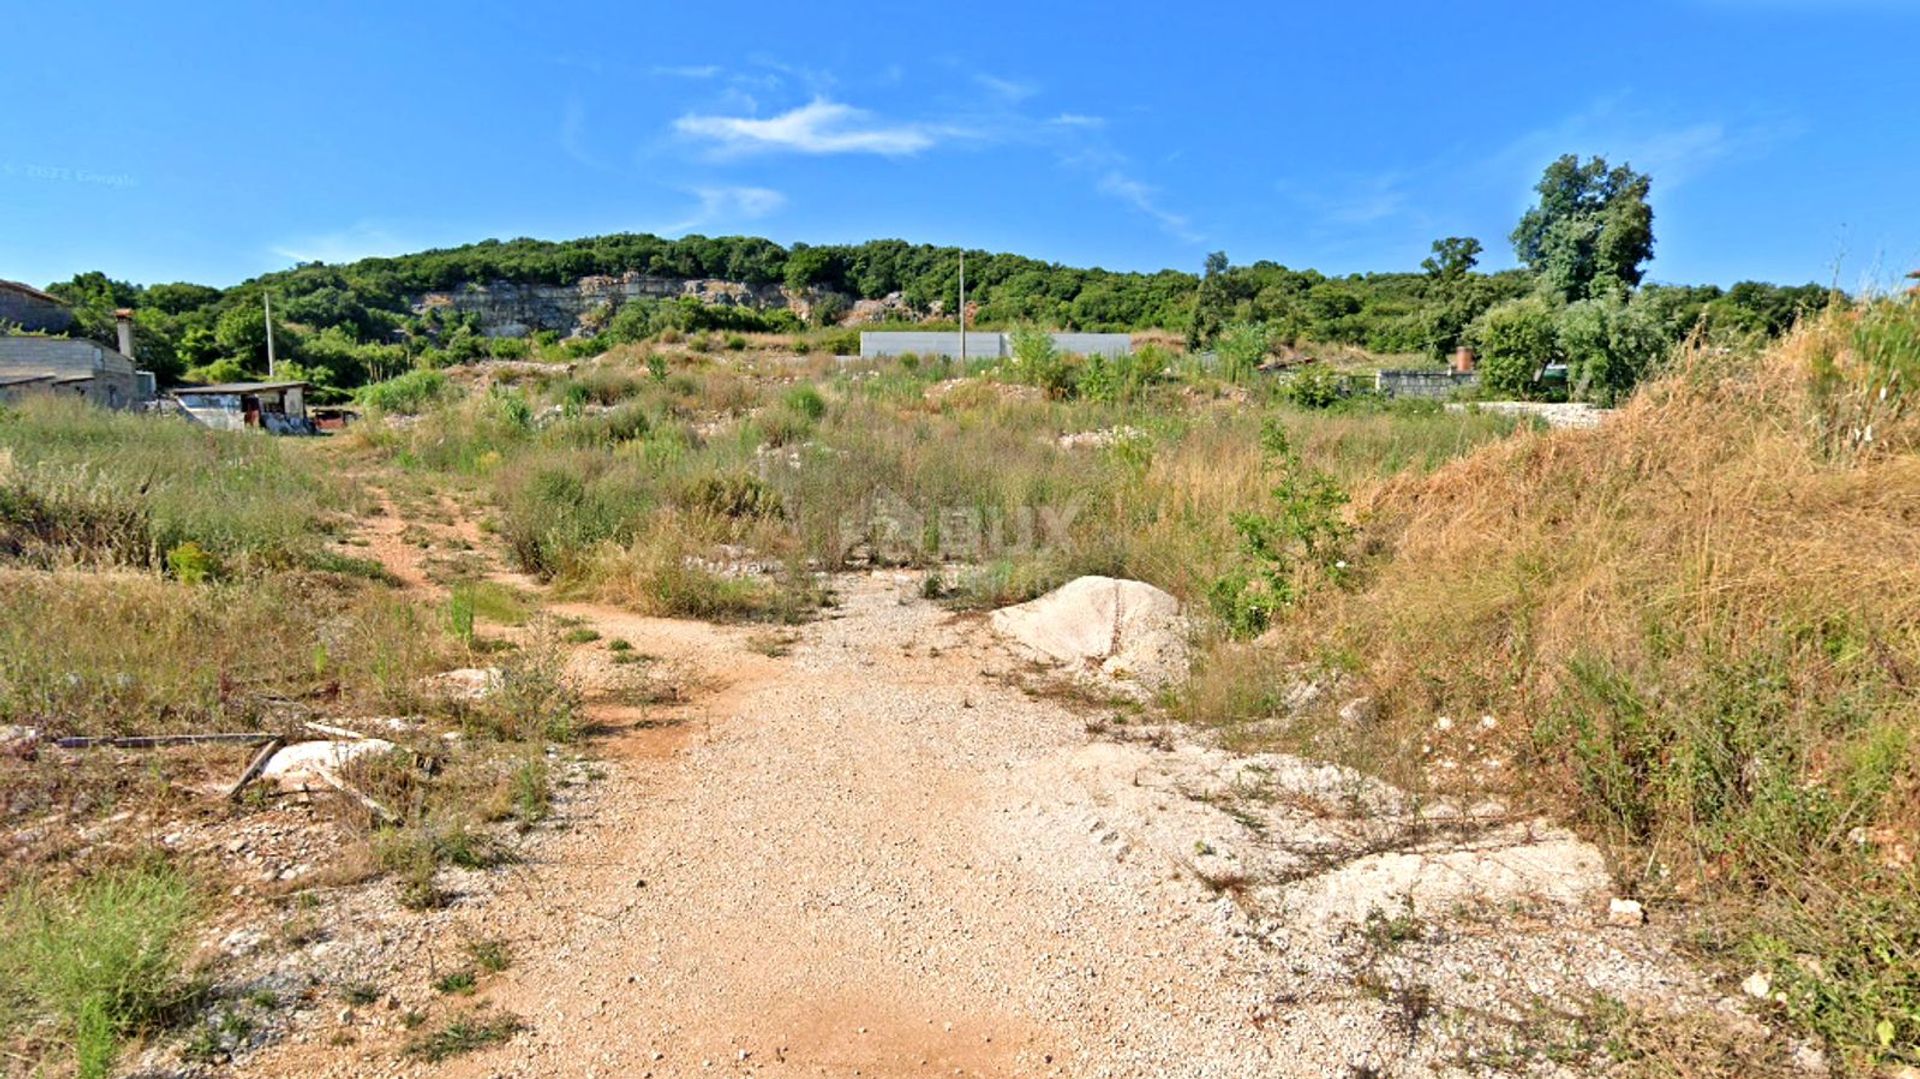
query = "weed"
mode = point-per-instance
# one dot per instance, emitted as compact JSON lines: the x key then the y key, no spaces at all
{"x":358,"y":994}
{"x":490,"y":955}
{"x":103,"y":959}
{"x":461,"y":982}
{"x":465,"y":1033}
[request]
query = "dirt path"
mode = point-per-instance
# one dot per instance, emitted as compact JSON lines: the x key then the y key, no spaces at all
{"x":878,"y":856}
{"x":863,"y":848}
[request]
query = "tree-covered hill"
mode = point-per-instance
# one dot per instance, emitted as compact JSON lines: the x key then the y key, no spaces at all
{"x":346,"y":324}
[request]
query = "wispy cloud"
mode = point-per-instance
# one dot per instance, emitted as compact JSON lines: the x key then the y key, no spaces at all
{"x":1006,"y":89}
{"x":685,"y":71}
{"x":729,"y":204}
{"x":819,"y":127}
{"x":363,"y":239}
{"x":1673,"y":152}
{"x":573,"y":134}
{"x":1075,"y":119}
{"x":1145,"y":199}
{"x":1353,"y":200}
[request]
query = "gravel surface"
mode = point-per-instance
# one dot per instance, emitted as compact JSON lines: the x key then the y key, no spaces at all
{"x":880,"y":854}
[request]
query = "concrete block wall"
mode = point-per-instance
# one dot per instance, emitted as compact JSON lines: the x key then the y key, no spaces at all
{"x":1434,"y":385}
{"x":986,"y":345}
{"x":32,"y":313}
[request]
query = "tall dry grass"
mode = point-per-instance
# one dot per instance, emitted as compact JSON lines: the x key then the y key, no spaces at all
{"x":1697,"y":632}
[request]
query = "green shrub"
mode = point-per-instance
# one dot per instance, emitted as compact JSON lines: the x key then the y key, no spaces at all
{"x":1608,"y":346}
{"x":1517,"y":340}
{"x":1242,"y":348}
{"x":1302,"y":539}
{"x":806,"y":400}
{"x":1316,"y":385}
{"x":103,"y":959}
{"x":408,"y":394}
{"x":1037,"y":362}
{"x":191,"y":563}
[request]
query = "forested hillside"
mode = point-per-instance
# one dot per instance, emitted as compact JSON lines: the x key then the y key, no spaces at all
{"x":348,"y":324}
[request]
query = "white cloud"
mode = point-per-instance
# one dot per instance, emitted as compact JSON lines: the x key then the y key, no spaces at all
{"x":1144,"y":198}
{"x":729,"y":204}
{"x":685,"y":71}
{"x":1355,"y":199}
{"x":573,"y":131}
{"x":819,"y":127}
{"x":1007,"y":89}
{"x":1673,"y":153}
{"x":359,"y":241}
{"x":1074,"y":119}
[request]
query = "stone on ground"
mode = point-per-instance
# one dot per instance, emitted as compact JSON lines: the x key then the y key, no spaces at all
{"x":1128,"y":631}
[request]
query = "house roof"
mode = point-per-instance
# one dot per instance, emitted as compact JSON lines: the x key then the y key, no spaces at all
{"x":17,"y":286}
{"x":236,"y":387}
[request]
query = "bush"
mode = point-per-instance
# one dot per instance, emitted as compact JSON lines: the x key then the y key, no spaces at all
{"x":806,"y":401}
{"x":406,"y":395}
{"x":1316,"y":385}
{"x":1609,"y":346}
{"x":103,"y":959}
{"x":1242,"y":348}
{"x":1284,"y":550}
{"x":1517,"y":340}
{"x":1037,"y":362}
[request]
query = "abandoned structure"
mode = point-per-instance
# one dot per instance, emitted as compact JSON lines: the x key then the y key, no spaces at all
{"x":277,"y":407}
{"x":31,"y":363}
{"x":32,"y":310}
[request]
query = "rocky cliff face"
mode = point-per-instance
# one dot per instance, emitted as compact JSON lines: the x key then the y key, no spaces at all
{"x":507,"y":309}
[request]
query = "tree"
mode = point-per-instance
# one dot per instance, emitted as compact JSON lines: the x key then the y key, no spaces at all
{"x":1608,"y":345}
{"x":1517,"y":340}
{"x":1452,"y":259}
{"x":1212,"y":302}
{"x":1591,"y":232}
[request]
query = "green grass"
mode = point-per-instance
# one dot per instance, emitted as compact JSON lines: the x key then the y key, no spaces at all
{"x":463,"y":1034}
{"x":102,"y":960}
{"x":80,"y":484}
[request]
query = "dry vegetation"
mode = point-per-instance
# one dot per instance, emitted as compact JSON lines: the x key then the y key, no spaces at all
{"x":1694,"y":628}
{"x":1697,"y":632}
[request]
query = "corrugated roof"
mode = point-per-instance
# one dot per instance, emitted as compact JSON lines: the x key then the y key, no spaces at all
{"x":236,"y":387}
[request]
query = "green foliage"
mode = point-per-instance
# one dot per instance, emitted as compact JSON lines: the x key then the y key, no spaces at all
{"x":1243,"y":347}
{"x":190,"y":563}
{"x":806,"y":401}
{"x":1608,"y":346}
{"x":1516,"y":340}
{"x":1037,"y":362}
{"x":1300,"y":540}
{"x":1591,"y":232}
{"x":407,"y":394}
{"x":464,"y":1034}
{"x":1316,"y":385}
{"x":103,"y":959}
{"x":91,"y":485}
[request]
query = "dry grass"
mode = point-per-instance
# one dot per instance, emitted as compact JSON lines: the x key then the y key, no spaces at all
{"x":1697,"y":630}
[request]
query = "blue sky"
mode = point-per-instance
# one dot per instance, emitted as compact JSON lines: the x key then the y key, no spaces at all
{"x":212,"y":142}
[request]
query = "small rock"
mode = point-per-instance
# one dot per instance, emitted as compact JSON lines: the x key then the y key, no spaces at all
{"x":1359,"y":712}
{"x":1812,"y":1059}
{"x":1758,"y":985}
{"x":1626,"y":913}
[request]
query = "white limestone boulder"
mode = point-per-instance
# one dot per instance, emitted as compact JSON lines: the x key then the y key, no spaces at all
{"x":1127,"y":631}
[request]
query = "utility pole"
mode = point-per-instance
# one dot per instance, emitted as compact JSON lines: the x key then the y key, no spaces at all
{"x":963,"y":311}
{"x":267,"y":302}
